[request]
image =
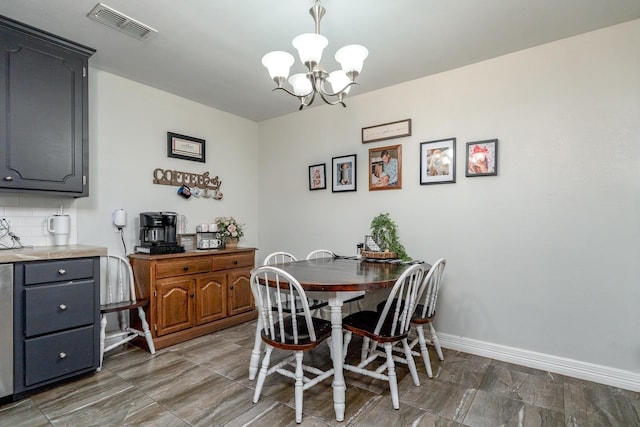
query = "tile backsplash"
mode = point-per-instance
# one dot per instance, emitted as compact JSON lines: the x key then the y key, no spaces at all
{"x":27,"y":218}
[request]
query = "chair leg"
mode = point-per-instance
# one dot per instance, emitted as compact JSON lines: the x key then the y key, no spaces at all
{"x":103,"y":337}
{"x":364,"y":352}
{"x":391,"y":373}
{"x":299,"y":387}
{"x":436,"y":343}
{"x":410,"y":363}
{"x":255,"y":353}
{"x":146,"y":331}
{"x":345,"y":347}
{"x":424,"y":351}
{"x":263,"y":373}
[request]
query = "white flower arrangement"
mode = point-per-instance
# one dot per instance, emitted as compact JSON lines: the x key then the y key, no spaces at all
{"x":229,"y":228}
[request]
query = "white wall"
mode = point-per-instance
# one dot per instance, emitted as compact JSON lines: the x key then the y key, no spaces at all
{"x":128,"y":140}
{"x":544,"y":257}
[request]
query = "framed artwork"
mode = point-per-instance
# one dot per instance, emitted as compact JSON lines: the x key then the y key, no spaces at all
{"x":438,"y":161}
{"x":317,"y":177}
{"x":385,"y":168}
{"x":185,"y":147}
{"x":387,"y":131}
{"x":343,"y":171}
{"x":482,"y":158}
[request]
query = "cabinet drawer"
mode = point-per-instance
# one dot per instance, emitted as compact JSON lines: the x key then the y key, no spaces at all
{"x":183,"y":266}
{"x":233,"y":261}
{"x":60,"y":306}
{"x":57,"y":271}
{"x":58,"y":354}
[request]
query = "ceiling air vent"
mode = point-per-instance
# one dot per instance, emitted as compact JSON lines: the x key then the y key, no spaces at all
{"x":121,"y":22}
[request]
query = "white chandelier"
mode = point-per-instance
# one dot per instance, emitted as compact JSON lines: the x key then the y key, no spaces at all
{"x":310,"y":46}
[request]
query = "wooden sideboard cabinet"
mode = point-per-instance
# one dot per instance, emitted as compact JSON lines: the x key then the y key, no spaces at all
{"x":194,"y":293}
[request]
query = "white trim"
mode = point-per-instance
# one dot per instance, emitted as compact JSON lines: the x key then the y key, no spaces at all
{"x":573,"y":368}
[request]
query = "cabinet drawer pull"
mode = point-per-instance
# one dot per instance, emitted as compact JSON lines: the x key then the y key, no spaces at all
{"x":8,"y":178}
{"x":63,"y":307}
{"x":62,"y":355}
{"x":62,"y":272}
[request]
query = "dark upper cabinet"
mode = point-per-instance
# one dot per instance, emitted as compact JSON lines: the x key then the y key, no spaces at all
{"x":43,"y":112}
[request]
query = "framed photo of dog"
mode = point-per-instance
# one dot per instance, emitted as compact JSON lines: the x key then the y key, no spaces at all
{"x":438,"y":161}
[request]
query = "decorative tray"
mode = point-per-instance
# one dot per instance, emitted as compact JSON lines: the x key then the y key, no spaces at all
{"x":379,"y":255}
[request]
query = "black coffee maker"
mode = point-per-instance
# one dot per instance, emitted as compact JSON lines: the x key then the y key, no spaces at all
{"x":158,"y":233}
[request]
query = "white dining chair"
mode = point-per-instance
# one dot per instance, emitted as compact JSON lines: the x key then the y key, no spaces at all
{"x":118,"y":295}
{"x":290,"y":328}
{"x":326,"y":253}
{"x":386,"y":328}
{"x":424,"y":315}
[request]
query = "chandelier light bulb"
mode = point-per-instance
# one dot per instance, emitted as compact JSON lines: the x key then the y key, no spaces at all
{"x":339,"y":81}
{"x":352,"y":57}
{"x":278,"y":63}
{"x":310,"y":47}
{"x":301,"y":84}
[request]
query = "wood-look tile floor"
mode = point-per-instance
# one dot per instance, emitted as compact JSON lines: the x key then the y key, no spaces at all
{"x":204,"y":382}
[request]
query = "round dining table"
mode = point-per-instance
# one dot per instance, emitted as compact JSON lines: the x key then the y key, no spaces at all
{"x":336,"y":280}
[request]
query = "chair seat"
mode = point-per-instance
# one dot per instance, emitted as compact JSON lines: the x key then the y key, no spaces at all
{"x":417,"y":318}
{"x":321,"y":326}
{"x":123,"y":305}
{"x":364,"y":323}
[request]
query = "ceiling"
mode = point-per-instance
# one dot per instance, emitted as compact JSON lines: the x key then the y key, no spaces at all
{"x":209,"y":51}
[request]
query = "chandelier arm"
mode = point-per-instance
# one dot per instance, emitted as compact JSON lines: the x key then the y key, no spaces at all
{"x":290,"y":93}
{"x":340,"y":92}
{"x":336,"y":102}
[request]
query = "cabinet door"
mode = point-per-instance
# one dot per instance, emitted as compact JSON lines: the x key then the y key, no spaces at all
{"x":174,"y":304}
{"x":211,"y":298}
{"x":240,"y":297}
{"x":42,"y":115}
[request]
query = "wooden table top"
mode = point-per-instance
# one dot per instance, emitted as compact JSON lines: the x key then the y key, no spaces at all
{"x":343,"y":274}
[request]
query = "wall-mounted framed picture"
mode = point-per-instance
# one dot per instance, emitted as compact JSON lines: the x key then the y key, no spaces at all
{"x":185,"y":147}
{"x":438,"y":161}
{"x":482,"y":158}
{"x":384,"y":131}
{"x":343,"y":172}
{"x":385,"y":168}
{"x":318,"y":177}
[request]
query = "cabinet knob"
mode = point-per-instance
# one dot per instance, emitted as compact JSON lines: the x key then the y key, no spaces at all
{"x":185,"y":268}
{"x":63,"y":307}
{"x":62,"y":355}
{"x":8,"y":178}
{"x":192,"y":295}
{"x":62,"y":272}
{"x":235,"y":262}
{"x":231,"y":287}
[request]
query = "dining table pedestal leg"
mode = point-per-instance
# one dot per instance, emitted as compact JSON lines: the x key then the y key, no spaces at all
{"x":336,"y":342}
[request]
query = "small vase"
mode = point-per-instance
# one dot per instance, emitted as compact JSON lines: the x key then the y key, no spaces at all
{"x":232,"y":244}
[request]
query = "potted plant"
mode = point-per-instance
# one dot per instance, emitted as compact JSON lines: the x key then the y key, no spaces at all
{"x":230,"y":230}
{"x":385,"y":233}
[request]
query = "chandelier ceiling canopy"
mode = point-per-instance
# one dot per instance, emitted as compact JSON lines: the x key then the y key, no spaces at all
{"x":305,"y":86}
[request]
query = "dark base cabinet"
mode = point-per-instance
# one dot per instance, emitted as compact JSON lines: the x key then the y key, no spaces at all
{"x":57,"y":321}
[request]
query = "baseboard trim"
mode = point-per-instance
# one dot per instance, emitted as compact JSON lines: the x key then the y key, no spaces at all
{"x":560,"y":365}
